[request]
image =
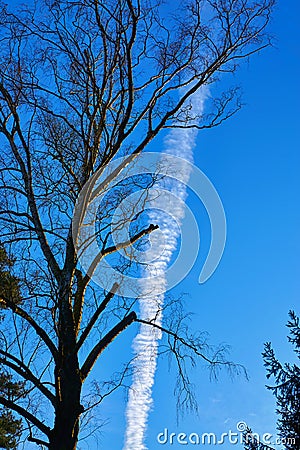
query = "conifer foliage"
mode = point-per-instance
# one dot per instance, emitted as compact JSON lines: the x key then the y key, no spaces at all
{"x":10,"y":427}
{"x":287,"y":387}
{"x":287,"y":392}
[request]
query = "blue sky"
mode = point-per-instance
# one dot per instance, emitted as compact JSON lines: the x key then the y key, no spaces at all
{"x":253,"y":161}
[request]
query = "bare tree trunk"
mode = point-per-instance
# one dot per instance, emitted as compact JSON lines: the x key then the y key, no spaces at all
{"x":68,"y":381}
{"x":64,"y":435}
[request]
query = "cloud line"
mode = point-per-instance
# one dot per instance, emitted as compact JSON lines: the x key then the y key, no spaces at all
{"x":179,"y":142}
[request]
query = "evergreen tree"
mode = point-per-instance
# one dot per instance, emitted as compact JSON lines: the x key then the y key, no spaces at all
{"x":10,"y":427}
{"x":287,"y":387}
{"x":251,"y":441}
{"x":9,"y":283}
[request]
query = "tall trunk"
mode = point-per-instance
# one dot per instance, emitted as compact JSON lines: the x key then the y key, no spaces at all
{"x":64,"y":435}
{"x":68,"y":383}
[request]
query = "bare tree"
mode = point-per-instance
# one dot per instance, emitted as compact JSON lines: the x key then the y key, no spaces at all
{"x":82,"y":82}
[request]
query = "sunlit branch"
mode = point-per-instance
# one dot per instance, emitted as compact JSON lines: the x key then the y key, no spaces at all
{"x":104,"y":342}
{"x":96,"y":315}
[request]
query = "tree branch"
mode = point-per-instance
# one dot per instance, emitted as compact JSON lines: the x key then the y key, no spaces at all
{"x":27,"y":178}
{"x":37,"y":441}
{"x":96,"y":315}
{"x":21,"y":369}
{"x":26,"y":414}
{"x":104,"y":342}
{"x":177,"y":338}
{"x":117,"y":247}
{"x":39,"y":330}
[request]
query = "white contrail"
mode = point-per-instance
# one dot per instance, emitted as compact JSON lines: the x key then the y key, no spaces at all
{"x":179,"y":142}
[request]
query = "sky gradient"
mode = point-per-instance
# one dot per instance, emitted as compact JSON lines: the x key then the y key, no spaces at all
{"x":253,"y":161}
